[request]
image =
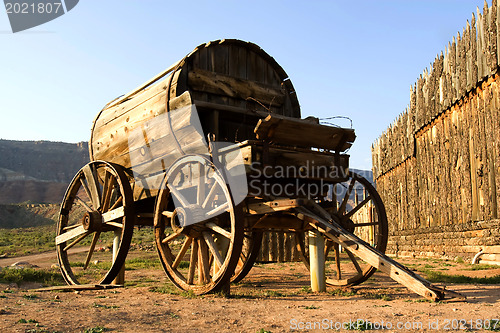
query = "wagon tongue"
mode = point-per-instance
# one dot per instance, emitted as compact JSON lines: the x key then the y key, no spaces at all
{"x":325,"y":223}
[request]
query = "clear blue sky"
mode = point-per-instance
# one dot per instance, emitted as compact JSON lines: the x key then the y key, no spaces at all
{"x":350,"y":58}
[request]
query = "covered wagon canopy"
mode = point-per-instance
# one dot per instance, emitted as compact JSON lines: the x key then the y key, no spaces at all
{"x":225,"y":75}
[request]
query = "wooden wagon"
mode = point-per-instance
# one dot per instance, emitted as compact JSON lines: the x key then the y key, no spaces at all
{"x":210,"y":153}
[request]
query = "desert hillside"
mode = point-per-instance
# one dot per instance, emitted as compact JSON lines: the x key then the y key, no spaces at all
{"x":38,"y":171}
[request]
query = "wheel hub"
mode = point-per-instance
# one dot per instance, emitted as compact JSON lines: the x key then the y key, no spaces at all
{"x":92,"y":221}
{"x":348,"y":225}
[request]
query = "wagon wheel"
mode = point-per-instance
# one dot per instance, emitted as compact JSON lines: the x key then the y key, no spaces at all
{"x":359,"y":210}
{"x":197,"y":227}
{"x":96,"y":211}
{"x":249,"y":253}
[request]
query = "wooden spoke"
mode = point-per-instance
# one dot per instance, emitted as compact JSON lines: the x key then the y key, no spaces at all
{"x":241,"y":262}
{"x":182,"y":252}
{"x":243,"y":256}
{"x":218,"y":210}
{"x":93,"y":185}
{"x":328,"y":246}
{"x":193,"y":261}
{"x":107,"y":189}
{"x":83,"y":204}
{"x":171,"y":237}
{"x":354,"y":261}
{"x":201,"y":185}
{"x":178,"y":195}
{"x":167,"y":213}
{"x":336,"y":248}
{"x":358,"y":207}
{"x":114,"y":214}
{"x":91,"y":249}
{"x":85,"y":187}
{"x":210,"y":195}
{"x":346,"y":197}
{"x":71,"y":227}
{"x":218,"y":229}
{"x":334,"y":197}
{"x":203,"y":262}
{"x":117,"y":203}
{"x":70,"y":234}
{"x":213,"y":247}
{"x":249,"y":253}
{"x":115,"y":224}
{"x":76,"y":241}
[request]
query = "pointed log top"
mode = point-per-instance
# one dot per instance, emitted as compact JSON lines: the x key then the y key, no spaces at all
{"x":485,"y":8}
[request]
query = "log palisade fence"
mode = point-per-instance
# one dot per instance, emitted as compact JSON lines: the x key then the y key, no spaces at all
{"x":437,"y":167}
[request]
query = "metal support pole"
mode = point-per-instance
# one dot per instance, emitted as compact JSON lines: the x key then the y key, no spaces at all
{"x":120,"y":278}
{"x":317,"y":261}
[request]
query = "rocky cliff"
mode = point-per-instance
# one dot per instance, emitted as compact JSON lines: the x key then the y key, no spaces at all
{"x":38,"y":171}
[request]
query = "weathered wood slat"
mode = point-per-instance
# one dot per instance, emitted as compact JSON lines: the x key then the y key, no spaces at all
{"x":303,"y":133}
{"x":226,"y":85}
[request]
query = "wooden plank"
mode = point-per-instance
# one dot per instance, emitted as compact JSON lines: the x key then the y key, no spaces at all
{"x":273,"y":246}
{"x":461,"y":66}
{"x":473,"y":169}
{"x":466,"y":172}
{"x":470,"y":83}
{"x":496,"y":8}
{"x":481,"y":45}
{"x":496,"y":144}
{"x":272,"y":206}
{"x":288,"y":247}
{"x":281,"y":246}
{"x":492,"y":36}
{"x":265,"y":247}
{"x":483,"y":172}
{"x":252,"y":65}
{"x":221,"y":55}
{"x":453,"y":71}
{"x":311,"y":134}
{"x":225,"y":85}
{"x":490,"y":121}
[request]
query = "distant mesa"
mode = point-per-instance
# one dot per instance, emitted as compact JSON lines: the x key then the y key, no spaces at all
{"x":38,"y":171}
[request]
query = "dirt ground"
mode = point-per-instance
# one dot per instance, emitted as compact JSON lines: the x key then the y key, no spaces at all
{"x":273,"y":298}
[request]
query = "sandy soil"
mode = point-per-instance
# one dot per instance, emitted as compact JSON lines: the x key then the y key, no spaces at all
{"x":273,"y":298}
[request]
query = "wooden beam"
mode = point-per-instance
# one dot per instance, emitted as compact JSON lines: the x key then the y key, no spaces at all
{"x":303,"y":133}
{"x":225,"y":85}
